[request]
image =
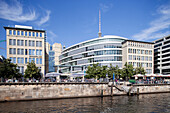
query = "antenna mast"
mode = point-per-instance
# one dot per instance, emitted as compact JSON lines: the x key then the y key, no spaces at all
{"x":99,"y":33}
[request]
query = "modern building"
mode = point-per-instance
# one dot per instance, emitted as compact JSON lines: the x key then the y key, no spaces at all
{"x":25,"y":44}
{"x":104,"y":50}
{"x":162,"y":55}
{"x":138,"y":53}
{"x":52,"y":56}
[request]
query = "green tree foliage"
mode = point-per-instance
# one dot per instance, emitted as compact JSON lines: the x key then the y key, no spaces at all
{"x":140,"y":70}
{"x":96,"y":71}
{"x":8,"y":69}
{"x":32,"y":71}
{"x":127,"y":71}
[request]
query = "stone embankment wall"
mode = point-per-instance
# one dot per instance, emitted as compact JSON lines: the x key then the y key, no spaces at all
{"x":37,"y":91}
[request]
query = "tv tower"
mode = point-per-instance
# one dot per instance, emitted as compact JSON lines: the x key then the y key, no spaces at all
{"x":100,"y":33}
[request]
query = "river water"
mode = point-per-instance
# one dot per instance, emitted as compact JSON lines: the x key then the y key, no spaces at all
{"x":148,"y":103}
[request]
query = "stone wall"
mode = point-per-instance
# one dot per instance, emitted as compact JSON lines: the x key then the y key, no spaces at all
{"x":36,"y":91}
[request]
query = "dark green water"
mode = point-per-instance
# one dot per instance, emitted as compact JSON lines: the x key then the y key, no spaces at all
{"x":150,"y":103}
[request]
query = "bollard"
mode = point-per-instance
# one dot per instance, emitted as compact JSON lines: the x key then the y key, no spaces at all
{"x":102,"y":93}
{"x":137,"y":91}
{"x":112,"y":90}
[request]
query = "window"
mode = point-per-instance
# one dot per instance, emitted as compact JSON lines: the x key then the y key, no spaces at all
{"x":25,"y":42}
{"x":146,"y":52}
{"x":22,"y":33}
{"x":142,"y":58}
{"x":38,"y":43}
{"x":142,"y":64}
{"x":130,"y":57}
{"x":138,"y":50}
{"x":150,"y":64}
{"x":129,"y":50}
{"x":29,"y":33}
{"x":36,"y":34}
{"x":25,"y":33}
{"x":51,"y":47}
{"x":13,"y":59}
{"x":14,"y":32}
{"x":20,"y":42}
{"x":20,"y":51}
{"x":12,"y":41}
{"x":12,"y":51}
{"x":134,"y":57}
{"x":31,"y":51}
{"x":18,"y":32}
{"x":38,"y":52}
{"x":146,"y":58}
{"x":25,"y":51}
{"x":31,"y":43}
{"x":31,"y":59}
{"x":138,"y":57}
{"x":150,"y":52}
{"x":142,"y":51}
{"x":21,"y":69}
{"x":38,"y":60}
{"x":40,"y":34}
{"x":33,"y":34}
{"x":150,"y":58}
{"x":25,"y":60}
{"x":20,"y":60}
{"x":10,"y":32}
{"x":134,"y":51}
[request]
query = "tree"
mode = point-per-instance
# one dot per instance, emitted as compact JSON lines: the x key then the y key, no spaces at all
{"x":127,"y":71}
{"x":32,"y":71}
{"x":111,"y":70}
{"x":8,"y":69}
{"x":140,"y":70}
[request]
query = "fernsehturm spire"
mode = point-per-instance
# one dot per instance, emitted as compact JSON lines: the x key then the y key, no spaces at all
{"x":100,"y":33}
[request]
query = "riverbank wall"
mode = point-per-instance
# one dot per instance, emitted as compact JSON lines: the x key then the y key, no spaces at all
{"x":39,"y":91}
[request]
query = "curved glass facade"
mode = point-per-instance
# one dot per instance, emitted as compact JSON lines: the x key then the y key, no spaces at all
{"x":104,"y":50}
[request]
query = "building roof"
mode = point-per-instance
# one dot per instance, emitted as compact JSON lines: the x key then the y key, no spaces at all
{"x":17,"y":28}
{"x":137,"y":41}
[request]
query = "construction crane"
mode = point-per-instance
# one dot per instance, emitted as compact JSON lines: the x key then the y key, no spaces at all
{"x":2,"y":41}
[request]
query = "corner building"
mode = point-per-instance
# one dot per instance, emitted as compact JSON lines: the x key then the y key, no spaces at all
{"x":25,"y":44}
{"x":162,"y":55}
{"x":138,"y":53}
{"x":104,"y":50}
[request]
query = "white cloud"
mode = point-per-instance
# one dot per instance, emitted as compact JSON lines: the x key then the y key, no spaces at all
{"x":15,"y":11}
{"x":159,"y":27}
{"x":105,"y":7}
{"x":45,"y":18}
{"x":51,"y":36}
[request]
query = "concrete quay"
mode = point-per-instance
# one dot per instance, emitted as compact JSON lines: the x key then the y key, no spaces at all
{"x":41,"y":91}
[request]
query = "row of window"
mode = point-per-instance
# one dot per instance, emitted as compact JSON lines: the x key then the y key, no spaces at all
{"x":138,"y":51}
{"x":25,"y":33}
{"x":142,"y":58}
{"x":138,"y":64}
{"x":20,"y":60}
{"x":21,"y":51}
{"x":21,"y":42}
{"x":137,"y":44}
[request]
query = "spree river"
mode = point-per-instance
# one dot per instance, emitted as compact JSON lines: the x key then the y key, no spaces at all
{"x":148,"y":103}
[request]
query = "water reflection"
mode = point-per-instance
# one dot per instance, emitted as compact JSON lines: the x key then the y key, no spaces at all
{"x":117,"y":104}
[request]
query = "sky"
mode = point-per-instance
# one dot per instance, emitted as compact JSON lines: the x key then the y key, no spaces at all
{"x":72,"y":21}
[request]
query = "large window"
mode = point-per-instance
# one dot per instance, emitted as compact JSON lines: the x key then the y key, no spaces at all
{"x":20,"y":42}
{"x":20,"y":60}
{"x":146,"y":58}
{"x":33,"y":34}
{"x":134,"y":57}
{"x":129,"y":50}
{"x":40,"y":34}
{"x":36,"y":34}
{"x":18,"y":32}
{"x":31,"y":51}
{"x":38,"y":43}
{"x":12,"y":51}
{"x":38,"y":60}
{"x":22,"y":33}
{"x":29,"y":33}
{"x":14,"y":32}
{"x":10,"y":32}
{"x":25,"y":33}
{"x":150,"y":52}
{"x":25,"y":42}
{"x":20,"y":51}
{"x":12,"y":41}
{"x":31,"y":43}
{"x":13,"y":59}
{"x":38,"y":52}
{"x":31,"y":59}
{"x":26,"y":61}
{"x":130,"y":57}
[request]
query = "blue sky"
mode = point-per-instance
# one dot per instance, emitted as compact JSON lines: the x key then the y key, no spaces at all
{"x":72,"y":21}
